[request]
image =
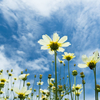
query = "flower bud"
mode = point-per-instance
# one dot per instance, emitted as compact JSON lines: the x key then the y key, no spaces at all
{"x":74,"y":72}
{"x":28,"y":83}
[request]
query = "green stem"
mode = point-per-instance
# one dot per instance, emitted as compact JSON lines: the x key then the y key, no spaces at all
{"x":96,"y":94}
{"x":60,"y":74}
{"x":69,"y":81}
{"x":83,"y":91}
{"x":52,"y":69}
{"x":23,"y":83}
{"x":77,"y":97}
{"x":75,"y":85}
{"x":60,"y":95}
{"x":39,"y":91}
{"x":55,"y":77}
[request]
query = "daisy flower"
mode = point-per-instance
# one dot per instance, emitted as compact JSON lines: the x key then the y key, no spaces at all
{"x":89,"y":62}
{"x":22,"y":93}
{"x":68,"y":56}
{"x":55,"y":44}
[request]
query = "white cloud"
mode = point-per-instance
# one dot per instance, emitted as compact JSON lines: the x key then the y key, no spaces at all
{"x":38,"y":64}
{"x":20,"y":52}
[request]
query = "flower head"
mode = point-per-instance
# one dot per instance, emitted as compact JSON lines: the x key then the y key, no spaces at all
{"x":68,"y":56}
{"x":89,"y":62}
{"x":22,"y":93}
{"x":60,"y":61}
{"x":22,"y":76}
{"x":39,"y":83}
{"x":54,"y":44}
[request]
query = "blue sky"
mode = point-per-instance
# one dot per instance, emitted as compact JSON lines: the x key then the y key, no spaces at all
{"x":22,"y":24}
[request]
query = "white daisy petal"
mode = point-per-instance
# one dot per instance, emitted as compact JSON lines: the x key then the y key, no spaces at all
{"x":82,"y":65}
{"x":23,"y":89}
{"x":16,"y":90}
{"x":42,"y":42}
{"x":84,"y":58}
{"x":46,"y":39}
{"x":61,"y":49}
{"x":55,"y":37}
{"x":44,"y":47}
{"x":63,"y":39}
{"x":51,"y":52}
{"x":28,"y":92}
{"x":66,"y":44}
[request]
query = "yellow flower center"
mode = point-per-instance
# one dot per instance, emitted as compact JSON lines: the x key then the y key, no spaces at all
{"x":21,"y":95}
{"x":68,"y":57}
{"x":3,"y":80}
{"x":54,"y":45}
{"x":91,"y":64}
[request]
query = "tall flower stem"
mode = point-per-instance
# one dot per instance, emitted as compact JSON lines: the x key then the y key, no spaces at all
{"x":52,"y":68}
{"x":83,"y":89}
{"x":60,"y":74}
{"x":96,"y":94}
{"x":69,"y":81}
{"x":77,"y":97}
{"x":75,"y":85}
{"x":55,"y":76}
{"x":39,"y":91}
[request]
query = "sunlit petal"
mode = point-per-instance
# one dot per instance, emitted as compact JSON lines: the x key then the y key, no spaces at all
{"x":84,"y":58}
{"x":46,"y":39}
{"x":82,"y":65}
{"x":16,"y":90}
{"x":23,"y":89}
{"x":63,"y":39}
{"x":44,"y":47}
{"x":61,"y":49}
{"x":42,"y":42}
{"x":66,"y":44}
{"x":28,"y":92}
{"x":55,"y":37}
{"x":51,"y":52}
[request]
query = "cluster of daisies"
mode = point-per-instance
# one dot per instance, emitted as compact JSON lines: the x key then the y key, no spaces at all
{"x":55,"y":90}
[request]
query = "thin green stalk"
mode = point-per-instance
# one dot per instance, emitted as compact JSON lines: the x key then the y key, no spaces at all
{"x":77,"y":97}
{"x":23,"y":83}
{"x":96,"y":94}
{"x":39,"y":92}
{"x":60,"y":74}
{"x":69,"y":81}
{"x":83,"y":91}
{"x":55,"y":77}
{"x":52,"y":69}
{"x":59,"y":95}
{"x":75,"y":85}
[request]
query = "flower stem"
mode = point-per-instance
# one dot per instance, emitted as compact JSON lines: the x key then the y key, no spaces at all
{"x":96,"y":94}
{"x":69,"y":81}
{"x":52,"y":69}
{"x":75,"y":85}
{"x":39,"y":91}
{"x":83,"y":91}
{"x":77,"y":97}
{"x":55,"y":77}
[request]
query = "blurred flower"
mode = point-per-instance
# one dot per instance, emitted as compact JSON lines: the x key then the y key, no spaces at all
{"x":50,"y":80}
{"x":21,"y":93}
{"x":2,"y":79}
{"x":39,"y":83}
{"x":60,"y":61}
{"x":22,"y":76}
{"x":78,"y":86}
{"x":68,"y":56}
{"x":54,"y":44}
{"x":89,"y":62}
